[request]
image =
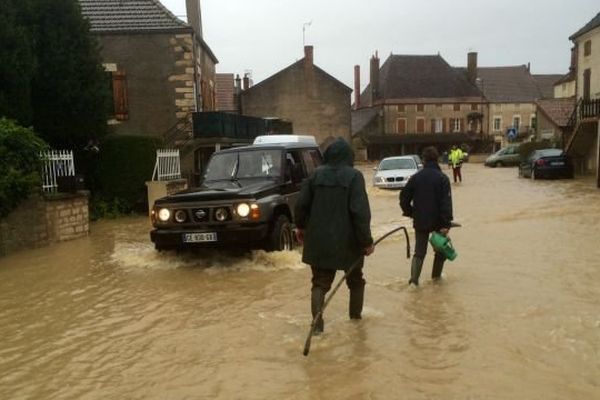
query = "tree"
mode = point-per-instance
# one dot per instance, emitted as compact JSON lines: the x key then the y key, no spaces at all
{"x":16,"y":68}
{"x":19,"y":164}
{"x":69,"y":90}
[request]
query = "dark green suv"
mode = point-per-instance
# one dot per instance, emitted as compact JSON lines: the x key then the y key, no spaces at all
{"x":246,"y":199}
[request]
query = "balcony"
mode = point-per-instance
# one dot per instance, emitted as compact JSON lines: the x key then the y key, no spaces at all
{"x":235,"y":127}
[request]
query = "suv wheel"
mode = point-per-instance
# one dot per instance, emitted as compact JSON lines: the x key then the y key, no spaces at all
{"x":281,"y":236}
{"x":499,"y":164}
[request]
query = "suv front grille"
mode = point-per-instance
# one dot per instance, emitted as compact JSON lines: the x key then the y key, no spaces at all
{"x":201,"y":214}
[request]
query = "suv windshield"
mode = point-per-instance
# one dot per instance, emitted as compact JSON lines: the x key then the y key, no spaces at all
{"x":244,"y":164}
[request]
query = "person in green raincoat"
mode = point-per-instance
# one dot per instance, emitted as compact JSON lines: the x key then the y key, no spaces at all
{"x":333,"y":220}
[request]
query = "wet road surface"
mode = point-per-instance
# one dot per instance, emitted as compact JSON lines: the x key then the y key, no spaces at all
{"x":517,"y":315}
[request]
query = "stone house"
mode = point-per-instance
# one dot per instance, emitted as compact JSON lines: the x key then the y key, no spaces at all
{"x":413,"y":101}
{"x":553,"y":118}
{"x":512,"y":92}
{"x":584,"y":143}
{"x":159,"y":67}
{"x":314,"y":102}
{"x":566,"y":85}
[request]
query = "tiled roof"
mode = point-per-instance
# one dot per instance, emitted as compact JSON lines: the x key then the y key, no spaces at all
{"x":129,"y":15}
{"x":568,"y":77}
{"x":594,"y":23}
{"x":545,"y":84}
{"x":420,"y":76}
{"x":297,"y":64}
{"x":558,"y":110}
{"x":512,"y":84}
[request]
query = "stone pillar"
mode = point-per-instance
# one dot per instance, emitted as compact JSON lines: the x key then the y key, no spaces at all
{"x":158,"y":189}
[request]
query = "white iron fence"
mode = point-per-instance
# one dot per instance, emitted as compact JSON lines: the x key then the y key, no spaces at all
{"x":56,"y":163}
{"x":167,"y":165}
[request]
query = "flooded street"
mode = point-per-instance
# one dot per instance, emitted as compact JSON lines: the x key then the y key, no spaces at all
{"x":517,"y":315}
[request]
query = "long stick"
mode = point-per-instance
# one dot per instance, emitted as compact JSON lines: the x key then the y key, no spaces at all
{"x":348,"y":271}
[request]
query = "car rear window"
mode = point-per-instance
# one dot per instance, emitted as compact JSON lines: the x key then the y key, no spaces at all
{"x":550,"y":152}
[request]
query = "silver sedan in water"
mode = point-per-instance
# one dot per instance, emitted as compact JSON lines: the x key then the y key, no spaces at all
{"x":394,"y":172}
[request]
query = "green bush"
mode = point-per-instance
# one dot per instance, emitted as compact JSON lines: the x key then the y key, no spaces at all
{"x":527,"y":147}
{"x":19,"y":164}
{"x":123,"y":166}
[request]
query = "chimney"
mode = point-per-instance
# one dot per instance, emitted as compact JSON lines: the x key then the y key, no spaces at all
{"x":308,"y":56}
{"x":246,"y":82}
{"x":356,"y":87}
{"x":194,"y":15}
{"x":472,"y":67}
{"x":374,"y":81}
{"x":238,"y":84}
{"x":528,"y":67}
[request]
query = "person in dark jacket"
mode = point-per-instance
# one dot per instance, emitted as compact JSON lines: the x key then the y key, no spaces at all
{"x":333,"y":221}
{"x":427,"y":199}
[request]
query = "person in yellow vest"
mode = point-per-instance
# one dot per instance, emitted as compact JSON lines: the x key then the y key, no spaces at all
{"x":456,"y":159}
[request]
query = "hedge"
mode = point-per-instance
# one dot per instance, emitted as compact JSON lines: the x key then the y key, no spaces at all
{"x":19,"y":164}
{"x":124,"y":164}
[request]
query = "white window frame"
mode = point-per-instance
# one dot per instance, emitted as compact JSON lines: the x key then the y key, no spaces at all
{"x":533,"y":117}
{"x":499,"y":119}
{"x":455,"y":124}
{"x":439,"y":125}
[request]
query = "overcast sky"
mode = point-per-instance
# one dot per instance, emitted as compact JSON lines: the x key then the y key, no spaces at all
{"x":265,"y":36}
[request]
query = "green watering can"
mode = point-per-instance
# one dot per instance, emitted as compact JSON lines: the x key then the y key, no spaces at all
{"x":443,"y":245}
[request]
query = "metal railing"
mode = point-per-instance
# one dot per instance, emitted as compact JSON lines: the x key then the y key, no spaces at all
{"x":56,"y":163}
{"x":167,"y":166}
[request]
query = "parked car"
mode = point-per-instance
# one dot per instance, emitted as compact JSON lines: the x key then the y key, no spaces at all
{"x":394,"y":172}
{"x":504,"y":157}
{"x":246,"y":199}
{"x":546,"y":163}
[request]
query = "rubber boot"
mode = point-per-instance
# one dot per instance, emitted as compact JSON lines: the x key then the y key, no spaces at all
{"x":438,"y":266}
{"x":415,"y":270}
{"x":357,"y":295}
{"x":316,"y":303}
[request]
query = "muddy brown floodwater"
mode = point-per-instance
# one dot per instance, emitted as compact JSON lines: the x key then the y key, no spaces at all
{"x":517,"y":315}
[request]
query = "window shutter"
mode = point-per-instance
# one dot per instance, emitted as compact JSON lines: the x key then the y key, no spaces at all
{"x":433,"y":126}
{"x":401,"y":125}
{"x":444,"y":125}
{"x":120,"y":95}
{"x":462,"y":125}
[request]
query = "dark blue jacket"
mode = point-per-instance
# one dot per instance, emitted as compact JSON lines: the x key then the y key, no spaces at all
{"x":427,"y":199}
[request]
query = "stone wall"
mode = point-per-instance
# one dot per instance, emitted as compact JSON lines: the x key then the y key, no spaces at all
{"x":41,"y":220}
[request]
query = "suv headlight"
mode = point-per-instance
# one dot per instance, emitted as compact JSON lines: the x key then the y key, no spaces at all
{"x":180,"y":216}
{"x":243,"y":210}
{"x":164,"y":214}
{"x":221,"y":214}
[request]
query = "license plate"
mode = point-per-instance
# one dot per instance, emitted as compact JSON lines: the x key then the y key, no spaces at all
{"x":557,"y":163}
{"x":199,"y":237}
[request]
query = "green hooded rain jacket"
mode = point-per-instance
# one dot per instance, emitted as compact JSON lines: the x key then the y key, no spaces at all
{"x":333,"y":209}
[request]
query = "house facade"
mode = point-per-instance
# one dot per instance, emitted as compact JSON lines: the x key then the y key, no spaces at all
{"x":584,"y":143}
{"x":312,"y":100}
{"x":159,"y":68}
{"x":512,"y":92}
{"x":414,"y":101}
